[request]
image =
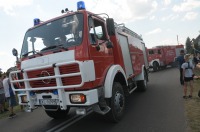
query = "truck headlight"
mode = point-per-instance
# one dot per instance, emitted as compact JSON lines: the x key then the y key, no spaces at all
{"x":77,"y":98}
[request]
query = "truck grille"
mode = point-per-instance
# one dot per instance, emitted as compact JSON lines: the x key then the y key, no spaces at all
{"x":73,"y":68}
{"x":64,"y":69}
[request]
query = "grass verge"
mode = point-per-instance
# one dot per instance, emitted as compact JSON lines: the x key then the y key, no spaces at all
{"x":7,"y":113}
{"x":192,"y":106}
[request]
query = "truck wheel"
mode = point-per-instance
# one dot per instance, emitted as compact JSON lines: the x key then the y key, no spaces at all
{"x":155,"y":66}
{"x":117,"y":103}
{"x":174,"y":64}
{"x":142,"y":84}
{"x":59,"y":114}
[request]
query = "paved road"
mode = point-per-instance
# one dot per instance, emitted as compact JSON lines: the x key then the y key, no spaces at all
{"x":159,"y":109}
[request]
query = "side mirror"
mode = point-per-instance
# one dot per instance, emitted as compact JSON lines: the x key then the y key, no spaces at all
{"x":110,"y":26}
{"x":14,"y":52}
{"x":109,"y":44}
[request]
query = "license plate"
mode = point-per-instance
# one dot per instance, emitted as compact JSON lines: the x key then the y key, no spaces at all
{"x":48,"y":101}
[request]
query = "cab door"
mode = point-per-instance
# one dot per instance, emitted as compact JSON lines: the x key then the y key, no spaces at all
{"x":98,"y":51}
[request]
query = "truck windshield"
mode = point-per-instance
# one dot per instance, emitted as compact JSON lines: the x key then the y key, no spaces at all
{"x":65,"y":32}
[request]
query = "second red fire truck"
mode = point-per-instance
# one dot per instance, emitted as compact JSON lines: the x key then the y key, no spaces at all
{"x":162,"y":56}
{"x":80,"y":60}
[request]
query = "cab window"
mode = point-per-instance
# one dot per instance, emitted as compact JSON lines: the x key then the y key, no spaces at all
{"x":96,"y":30}
{"x":159,"y":52}
{"x":151,"y":52}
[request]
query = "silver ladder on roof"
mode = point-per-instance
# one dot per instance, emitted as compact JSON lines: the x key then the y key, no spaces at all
{"x":128,"y":31}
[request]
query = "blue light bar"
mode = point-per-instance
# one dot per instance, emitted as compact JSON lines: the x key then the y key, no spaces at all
{"x":80,"y":5}
{"x":36,"y":21}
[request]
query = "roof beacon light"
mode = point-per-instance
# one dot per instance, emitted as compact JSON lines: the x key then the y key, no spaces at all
{"x":36,"y":21}
{"x":80,"y":5}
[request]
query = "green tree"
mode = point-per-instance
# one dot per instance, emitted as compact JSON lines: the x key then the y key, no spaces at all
{"x":188,"y":46}
{"x":1,"y":73}
{"x":196,"y":45}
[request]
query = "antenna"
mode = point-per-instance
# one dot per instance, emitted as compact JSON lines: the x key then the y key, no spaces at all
{"x":177,"y":40}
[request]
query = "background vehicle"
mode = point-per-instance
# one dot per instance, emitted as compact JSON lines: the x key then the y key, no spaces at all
{"x":96,"y":66}
{"x":161,"y":56}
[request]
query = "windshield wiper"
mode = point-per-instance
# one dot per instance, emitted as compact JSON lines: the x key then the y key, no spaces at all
{"x":62,"y":47}
{"x":54,"y":46}
{"x":33,"y":51}
{"x":50,"y":47}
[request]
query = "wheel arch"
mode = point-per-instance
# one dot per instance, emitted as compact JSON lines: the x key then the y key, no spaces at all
{"x":155,"y":61}
{"x":115,"y":73}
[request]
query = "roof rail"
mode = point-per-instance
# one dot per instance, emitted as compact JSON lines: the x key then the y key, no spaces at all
{"x":128,"y":31}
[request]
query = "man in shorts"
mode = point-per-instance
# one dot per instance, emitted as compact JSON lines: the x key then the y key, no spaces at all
{"x":10,"y":95}
{"x":188,"y":72}
{"x":181,"y":60}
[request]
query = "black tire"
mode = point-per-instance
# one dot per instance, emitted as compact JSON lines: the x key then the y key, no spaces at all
{"x":142,"y":84}
{"x":174,"y":64}
{"x":116,"y":103}
{"x":59,"y":114}
{"x":155,"y":66}
{"x":164,"y":67}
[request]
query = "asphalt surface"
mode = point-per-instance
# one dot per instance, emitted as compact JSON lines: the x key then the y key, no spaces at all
{"x":159,"y":109}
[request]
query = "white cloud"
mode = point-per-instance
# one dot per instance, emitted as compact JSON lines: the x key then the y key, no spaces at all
{"x":164,"y":9}
{"x":167,"y":2}
{"x":168,"y":30}
{"x":190,"y":16}
{"x":187,"y":5}
{"x":152,"y":18}
{"x":7,"y":59}
{"x":169,"y":17}
{"x":155,"y":31}
{"x":168,"y":42}
{"x":128,"y":10}
{"x":2,"y":54}
{"x":9,"y":5}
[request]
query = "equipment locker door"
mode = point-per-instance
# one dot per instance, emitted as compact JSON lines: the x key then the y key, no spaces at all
{"x":123,"y":40}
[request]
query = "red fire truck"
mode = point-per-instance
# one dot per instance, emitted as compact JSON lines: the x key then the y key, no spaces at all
{"x":161,"y":56}
{"x":80,"y":60}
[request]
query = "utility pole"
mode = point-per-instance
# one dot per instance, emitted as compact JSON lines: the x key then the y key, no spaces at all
{"x":177,"y":40}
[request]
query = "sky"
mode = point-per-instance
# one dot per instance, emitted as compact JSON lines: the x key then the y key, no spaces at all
{"x":159,"y":22}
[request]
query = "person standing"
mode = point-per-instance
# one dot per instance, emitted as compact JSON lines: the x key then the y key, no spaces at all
{"x":188,"y":73}
{"x":181,"y":61}
{"x":2,"y":97}
{"x":10,"y":95}
{"x":195,"y":60}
